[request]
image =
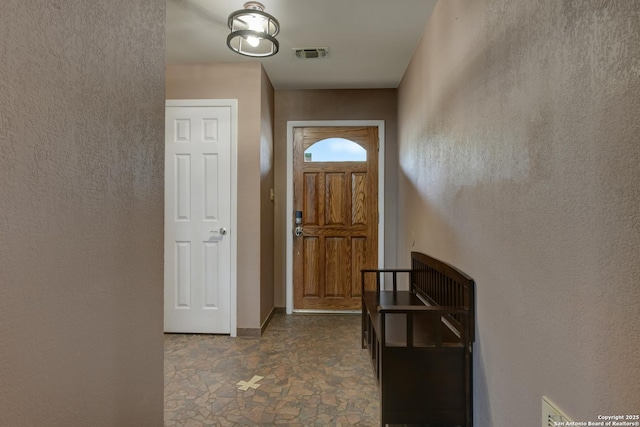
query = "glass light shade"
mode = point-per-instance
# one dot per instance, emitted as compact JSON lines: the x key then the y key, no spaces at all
{"x":253,"y":31}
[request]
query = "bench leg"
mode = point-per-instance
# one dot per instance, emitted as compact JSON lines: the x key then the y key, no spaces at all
{"x":363,"y":325}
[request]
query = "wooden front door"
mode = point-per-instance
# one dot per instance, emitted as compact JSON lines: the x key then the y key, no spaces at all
{"x":337,"y":196}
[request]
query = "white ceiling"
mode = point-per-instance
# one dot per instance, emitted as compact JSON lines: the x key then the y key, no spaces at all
{"x":370,"y":41}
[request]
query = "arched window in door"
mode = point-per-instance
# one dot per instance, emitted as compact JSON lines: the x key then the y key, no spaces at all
{"x":335,"y":150}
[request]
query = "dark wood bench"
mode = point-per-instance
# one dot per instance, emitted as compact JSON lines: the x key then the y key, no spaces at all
{"x":420,"y":342}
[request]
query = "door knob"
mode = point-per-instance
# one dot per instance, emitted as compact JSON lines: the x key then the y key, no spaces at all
{"x":222,"y":231}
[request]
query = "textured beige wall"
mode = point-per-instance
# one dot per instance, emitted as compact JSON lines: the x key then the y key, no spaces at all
{"x":361,"y":104}
{"x":241,"y":81}
{"x":266,"y":205}
{"x":519,"y":150}
{"x":81,"y":212}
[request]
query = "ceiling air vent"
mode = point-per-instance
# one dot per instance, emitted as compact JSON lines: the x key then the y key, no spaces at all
{"x":310,"y":52}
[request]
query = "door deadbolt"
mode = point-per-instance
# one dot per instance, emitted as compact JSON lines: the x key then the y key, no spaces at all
{"x":298,"y":231}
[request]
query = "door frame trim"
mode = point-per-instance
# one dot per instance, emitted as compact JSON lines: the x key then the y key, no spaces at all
{"x":233,"y":234}
{"x":289,"y":210}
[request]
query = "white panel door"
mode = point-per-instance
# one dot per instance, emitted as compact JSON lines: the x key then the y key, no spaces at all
{"x":197,"y":280}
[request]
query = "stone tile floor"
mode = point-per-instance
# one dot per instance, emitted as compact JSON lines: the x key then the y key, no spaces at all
{"x":314,"y":374}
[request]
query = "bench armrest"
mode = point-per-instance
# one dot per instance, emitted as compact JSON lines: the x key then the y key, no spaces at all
{"x":379,"y":272}
{"x":383,"y":309}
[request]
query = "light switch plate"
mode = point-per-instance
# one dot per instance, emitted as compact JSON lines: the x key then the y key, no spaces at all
{"x":552,"y":416}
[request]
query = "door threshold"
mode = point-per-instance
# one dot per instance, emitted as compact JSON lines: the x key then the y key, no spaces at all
{"x":307,"y":311}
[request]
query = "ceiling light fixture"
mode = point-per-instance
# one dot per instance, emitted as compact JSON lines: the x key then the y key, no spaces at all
{"x":253,"y":31}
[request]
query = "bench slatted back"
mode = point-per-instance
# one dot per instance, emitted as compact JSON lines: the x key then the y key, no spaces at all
{"x":442,"y":284}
